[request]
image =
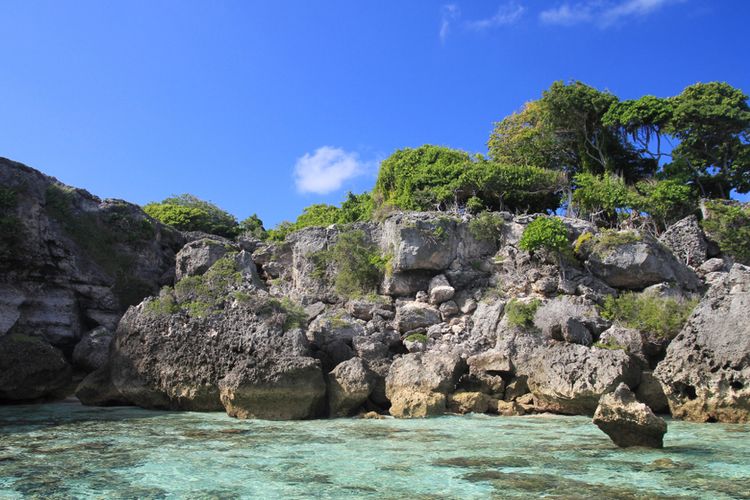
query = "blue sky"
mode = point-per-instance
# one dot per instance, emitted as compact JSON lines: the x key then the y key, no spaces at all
{"x":267,"y":107}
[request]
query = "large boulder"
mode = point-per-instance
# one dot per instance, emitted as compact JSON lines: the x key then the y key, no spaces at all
{"x":418,"y":384}
{"x":250,"y":359}
{"x":413,"y":315}
{"x":440,"y":290}
{"x":31,"y":369}
{"x":570,"y":378}
{"x":92,"y":351}
{"x":196,"y":257}
{"x":97,"y":389}
{"x":630,"y":260}
{"x":628,"y":422}
{"x":686,"y":240}
{"x":706,"y":372}
{"x":349,"y":386}
{"x":421,"y":241}
{"x":282,"y":388}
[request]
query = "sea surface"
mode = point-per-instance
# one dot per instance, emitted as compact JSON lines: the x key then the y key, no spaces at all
{"x":66,"y":450}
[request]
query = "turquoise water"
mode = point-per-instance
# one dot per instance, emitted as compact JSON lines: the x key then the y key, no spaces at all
{"x":69,"y":451}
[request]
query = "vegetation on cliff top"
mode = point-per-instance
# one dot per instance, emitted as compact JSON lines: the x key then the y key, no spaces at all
{"x":575,"y":147}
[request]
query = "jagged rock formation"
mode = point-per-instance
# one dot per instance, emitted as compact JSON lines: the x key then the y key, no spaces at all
{"x":459,"y":318}
{"x":628,"y":422}
{"x":70,"y":262}
{"x":706,"y":373}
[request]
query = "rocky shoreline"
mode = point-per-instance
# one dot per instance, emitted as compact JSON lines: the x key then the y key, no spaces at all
{"x":463,"y":321}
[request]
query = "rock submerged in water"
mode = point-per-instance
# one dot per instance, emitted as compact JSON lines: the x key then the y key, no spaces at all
{"x":628,"y":422}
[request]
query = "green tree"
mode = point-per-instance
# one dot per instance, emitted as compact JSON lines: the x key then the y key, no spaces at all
{"x":318,"y":215}
{"x":253,"y":226}
{"x":189,"y":213}
{"x":545,"y":233}
{"x":420,"y":178}
{"x":712,"y":123}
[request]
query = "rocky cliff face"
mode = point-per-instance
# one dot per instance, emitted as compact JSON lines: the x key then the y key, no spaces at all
{"x":70,"y":262}
{"x":454,"y":318}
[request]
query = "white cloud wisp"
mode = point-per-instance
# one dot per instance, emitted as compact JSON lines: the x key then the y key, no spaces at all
{"x":326,"y":170}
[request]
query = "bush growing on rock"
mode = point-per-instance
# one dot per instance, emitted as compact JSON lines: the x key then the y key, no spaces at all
{"x":646,"y":312}
{"x":486,"y":226}
{"x":436,"y":178}
{"x":189,"y":213}
{"x":520,"y":313}
{"x":545,"y":233}
{"x":200,"y":295}
{"x":358,"y":263}
{"x":729,"y":225}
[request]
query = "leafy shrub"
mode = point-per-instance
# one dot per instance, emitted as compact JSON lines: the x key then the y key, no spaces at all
{"x":664,"y":317}
{"x":416,"y":337}
{"x":601,"y":197}
{"x":319,"y":215}
{"x":281,"y":231}
{"x":729,"y":225}
{"x":254,"y":227}
{"x":189,"y":213}
{"x":521,"y":313}
{"x":666,"y":201}
{"x":474,"y":205}
{"x":203,"y":294}
{"x":547,"y":233}
{"x":359,"y":265}
{"x":486,"y":226}
{"x":435,"y":177}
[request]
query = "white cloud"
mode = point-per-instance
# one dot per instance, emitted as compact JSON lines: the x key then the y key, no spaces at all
{"x":603,"y":13}
{"x":507,"y":13}
{"x":448,"y":14}
{"x":326,"y":170}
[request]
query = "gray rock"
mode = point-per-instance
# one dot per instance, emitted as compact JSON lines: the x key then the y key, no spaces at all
{"x":349,"y":386}
{"x":570,"y":378}
{"x":420,"y":241}
{"x":686,"y":240}
{"x":75,"y":261}
{"x":628,"y":422}
{"x":440,"y":290}
{"x":712,"y":266}
{"x":639,"y":263}
{"x":448,"y":309}
{"x":198,"y":256}
{"x":402,"y":284}
{"x":414,"y":315}
{"x":651,"y":394}
{"x":418,"y":384}
{"x":568,"y":319}
{"x":92,"y":350}
{"x":242,"y":360}
{"x":286,"y":388}
{"x":10,"y":301}
{"x":31,"y":369}
{"x":97,"y":389}
{"x":706,"y":372}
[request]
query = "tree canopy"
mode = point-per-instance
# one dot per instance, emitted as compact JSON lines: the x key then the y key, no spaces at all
{"x":189,"y":213}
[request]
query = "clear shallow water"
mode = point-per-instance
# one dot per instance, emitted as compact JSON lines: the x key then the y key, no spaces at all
{"x":66,"y":450}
